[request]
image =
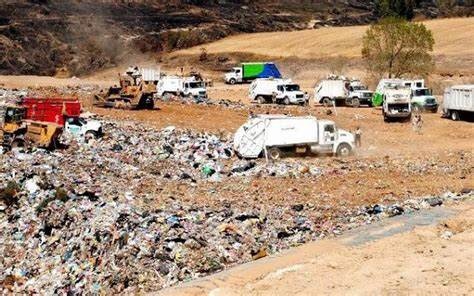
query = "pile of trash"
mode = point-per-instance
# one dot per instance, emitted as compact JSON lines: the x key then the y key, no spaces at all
{"x":63,"y":238}
{"x":11,"y":96}
{"x":92,"y":217}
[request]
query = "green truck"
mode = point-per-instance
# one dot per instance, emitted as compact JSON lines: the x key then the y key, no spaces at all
{"x":250,"y":71}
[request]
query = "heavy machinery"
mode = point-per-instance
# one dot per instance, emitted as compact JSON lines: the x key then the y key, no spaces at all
{"x":16,"y":131}
{"x":137,"y":90}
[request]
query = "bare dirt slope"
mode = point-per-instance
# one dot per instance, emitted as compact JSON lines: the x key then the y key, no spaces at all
{"x":453,"y":37}
{"x":370,"y":261}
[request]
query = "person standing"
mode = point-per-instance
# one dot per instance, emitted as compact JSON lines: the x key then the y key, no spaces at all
{"x":358,"y":136}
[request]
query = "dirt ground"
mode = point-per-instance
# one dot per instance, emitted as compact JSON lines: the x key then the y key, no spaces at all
{"x":401,"y":256}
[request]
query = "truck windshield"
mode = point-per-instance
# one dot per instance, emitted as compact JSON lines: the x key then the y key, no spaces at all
{"x":422,"y":92}
{"x":292,"y":87}
{"x":195,"y":84}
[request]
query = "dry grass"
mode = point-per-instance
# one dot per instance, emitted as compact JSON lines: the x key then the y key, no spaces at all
{"x":454,"y":37}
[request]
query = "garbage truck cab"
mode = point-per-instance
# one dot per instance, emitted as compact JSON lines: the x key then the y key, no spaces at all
{"x":422,"y":98}
{"x":234,"y":76}
{"x":194,"y":89}
{"x":265,"y":90}
{"x":279,"y":135}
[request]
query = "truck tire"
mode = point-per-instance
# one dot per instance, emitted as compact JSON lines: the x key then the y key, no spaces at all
{"x":286,"y":101}
{"x":166,"y":96}
{"x":89,"y":135}
{"x":455,"y":115}
{"x":435,"y":110}
{"x":232,"y":81}
{"x":344,"y":150}
{"x":261,"y":100}
{"x":274,"y":153}
{"x":355,"y":103}
{"x":18,"y":143}
{"x":327,"y":102}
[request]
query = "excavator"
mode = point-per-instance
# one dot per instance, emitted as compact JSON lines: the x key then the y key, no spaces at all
{"x":137,"y":90}
{"x":16,"y":131}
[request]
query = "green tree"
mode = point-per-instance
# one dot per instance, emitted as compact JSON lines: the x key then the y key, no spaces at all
{"x":395,"y":47}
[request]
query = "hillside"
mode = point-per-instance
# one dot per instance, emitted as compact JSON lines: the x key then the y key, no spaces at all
{"x":76,"y":37}
{"x":453,"y":38}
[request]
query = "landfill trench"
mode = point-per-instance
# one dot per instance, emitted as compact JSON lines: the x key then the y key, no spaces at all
{"x":146,"y":207}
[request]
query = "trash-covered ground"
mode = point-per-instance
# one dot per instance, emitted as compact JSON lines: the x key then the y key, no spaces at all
{"x":145,"y":208}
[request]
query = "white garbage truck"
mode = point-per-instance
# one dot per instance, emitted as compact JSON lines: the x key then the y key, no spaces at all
{"x":396,"y":103}
{"x":458,"y":102}
{"x":181,"y":86}
{"x":271,"y":90}
{"x":275,"y":136}
{"x":342,"y":91}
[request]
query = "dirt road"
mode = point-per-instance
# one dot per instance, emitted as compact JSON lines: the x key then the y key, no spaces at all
{"x":403,"y":255}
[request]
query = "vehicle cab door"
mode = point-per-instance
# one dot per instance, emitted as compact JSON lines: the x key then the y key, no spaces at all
{"x":238,"y":74}
{"x":74,"y":126}
{"x":327,"y":135}
{"x":280,"y":91}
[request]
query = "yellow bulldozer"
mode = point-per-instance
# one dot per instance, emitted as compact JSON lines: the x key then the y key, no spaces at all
{"x":137,"y":90}
{"x":16,"y":131}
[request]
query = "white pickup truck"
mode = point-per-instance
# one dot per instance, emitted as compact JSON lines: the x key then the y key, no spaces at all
{"x":278,"y":135}
{"x":83,"y":128}
{"x":266,"y":90}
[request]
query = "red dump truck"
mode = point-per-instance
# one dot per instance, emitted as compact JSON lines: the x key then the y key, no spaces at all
{"x":55,"y":110}
{"x":62,"y":111}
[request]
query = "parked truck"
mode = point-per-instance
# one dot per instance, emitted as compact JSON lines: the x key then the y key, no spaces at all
{"x":181,"y":86}
{"x":342,"y":91}
{"x":270,"y":90}
{"x":422,"y":98}
{"x":65,"y":112}
{"x":250,"y":71}
{"x":278,"y":135}
{"x":396,"y":103}
{"x":359,"y":94}
{"x":458,"y":102}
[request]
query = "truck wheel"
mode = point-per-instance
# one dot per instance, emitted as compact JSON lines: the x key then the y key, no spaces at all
{"x":261,"y":100}
{"x":435,"y":110}
{"x":89,"y":135}
{"x":166,"y":96}
{"x":274,"y":153}
{"x":327,"y":102}
{"x":455,"y":115}
{"x":355,"y":103}
{"x":18,"y":143}
{"x":286,"y":101}
{"x":344,"y":150}
{"x":232,"y":81}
